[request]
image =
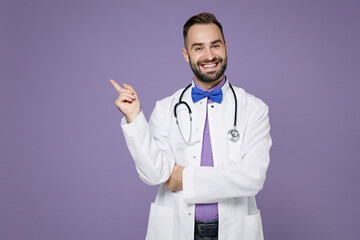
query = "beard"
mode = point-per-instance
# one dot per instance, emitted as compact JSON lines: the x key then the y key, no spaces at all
{"x":209,"y":76}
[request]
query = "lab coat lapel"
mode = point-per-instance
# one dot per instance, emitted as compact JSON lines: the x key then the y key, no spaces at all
{"x":198,"y":115}
{"x":221,"y":117}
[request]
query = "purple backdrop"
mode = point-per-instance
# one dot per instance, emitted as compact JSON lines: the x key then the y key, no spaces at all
{"x":65,"y":171}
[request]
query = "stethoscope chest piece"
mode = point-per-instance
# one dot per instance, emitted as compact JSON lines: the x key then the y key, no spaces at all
{"x":233,"y":135}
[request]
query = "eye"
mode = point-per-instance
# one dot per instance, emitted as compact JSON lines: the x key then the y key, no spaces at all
{"x":216,"y":46}
{"x":198,"y":49}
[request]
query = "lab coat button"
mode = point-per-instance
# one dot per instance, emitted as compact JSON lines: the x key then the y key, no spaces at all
{"x":194,"y":157}
{"x":212,"y":106}
{"x":189,"y":214}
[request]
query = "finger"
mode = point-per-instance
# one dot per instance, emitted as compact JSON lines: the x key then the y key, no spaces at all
{"x":123,"y":91}
{"x":115,"y":84}
{"x":129,"y":87}
{"x":125,"y":99}
{"x":128,"y":94}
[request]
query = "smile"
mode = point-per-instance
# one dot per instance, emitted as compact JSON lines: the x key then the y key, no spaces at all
{"x":209,"y":66}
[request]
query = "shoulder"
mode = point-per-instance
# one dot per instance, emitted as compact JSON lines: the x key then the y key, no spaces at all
{"x":248,"y":97}
{"x":170,"y":101}
{"x":249,"y":102}
{"x":165,"y":107}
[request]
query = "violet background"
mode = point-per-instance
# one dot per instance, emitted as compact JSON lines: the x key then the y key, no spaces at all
{"x":65,"y":171}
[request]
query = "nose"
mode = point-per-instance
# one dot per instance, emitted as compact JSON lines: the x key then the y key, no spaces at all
{"x":209,"y":55}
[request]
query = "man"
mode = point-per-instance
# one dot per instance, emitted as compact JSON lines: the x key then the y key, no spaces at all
{"x":208,"y":175}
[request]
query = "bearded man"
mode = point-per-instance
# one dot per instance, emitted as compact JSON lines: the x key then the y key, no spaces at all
{"x":206,"y":146}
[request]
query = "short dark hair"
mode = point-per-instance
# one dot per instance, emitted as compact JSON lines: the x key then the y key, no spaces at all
{"x":202,"y":18}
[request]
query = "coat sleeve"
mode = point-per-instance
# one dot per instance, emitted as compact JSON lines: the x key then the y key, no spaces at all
{"x":149,"y":145}
{"x":241,"y":178}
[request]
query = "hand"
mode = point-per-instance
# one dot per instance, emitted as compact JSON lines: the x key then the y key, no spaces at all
{"x":127,"y":102}
{"x":175,"y":181}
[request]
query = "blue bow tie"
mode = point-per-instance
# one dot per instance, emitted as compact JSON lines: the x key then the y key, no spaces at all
{"x":198,"y":94}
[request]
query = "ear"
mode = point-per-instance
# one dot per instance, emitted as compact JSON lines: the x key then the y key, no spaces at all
{"x":186,"y":54}
{"x":225,"y":46}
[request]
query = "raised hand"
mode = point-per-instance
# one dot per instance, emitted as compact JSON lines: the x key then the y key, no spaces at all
{"x":127,"y":102}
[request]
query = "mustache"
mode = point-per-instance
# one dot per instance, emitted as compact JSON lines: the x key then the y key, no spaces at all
{"x":215,"y":59}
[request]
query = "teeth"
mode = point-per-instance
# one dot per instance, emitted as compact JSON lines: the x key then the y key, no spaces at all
{"x":208,"y":66}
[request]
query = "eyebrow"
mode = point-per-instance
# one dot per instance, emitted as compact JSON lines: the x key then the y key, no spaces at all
{"x":201,"y":44}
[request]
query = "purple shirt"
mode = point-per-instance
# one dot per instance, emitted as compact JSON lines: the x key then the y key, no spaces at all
{"x":207,"y":212}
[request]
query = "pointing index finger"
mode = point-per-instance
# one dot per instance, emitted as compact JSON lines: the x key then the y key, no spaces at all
{"x":115,"y":84}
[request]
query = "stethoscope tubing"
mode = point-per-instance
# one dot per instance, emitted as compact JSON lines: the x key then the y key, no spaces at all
{"x":182,"y":102}
{"x":235,"y":98}
{"x":233,"y":133}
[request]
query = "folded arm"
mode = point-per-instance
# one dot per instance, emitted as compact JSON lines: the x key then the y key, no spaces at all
{"x":243,"y":177}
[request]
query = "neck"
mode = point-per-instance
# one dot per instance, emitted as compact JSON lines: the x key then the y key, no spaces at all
{"x":207,"y":85}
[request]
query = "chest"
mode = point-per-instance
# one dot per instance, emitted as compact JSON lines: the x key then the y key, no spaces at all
{"x":187,"y":132}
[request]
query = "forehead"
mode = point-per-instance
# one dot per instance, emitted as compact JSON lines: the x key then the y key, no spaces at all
{"x":203,"y":33}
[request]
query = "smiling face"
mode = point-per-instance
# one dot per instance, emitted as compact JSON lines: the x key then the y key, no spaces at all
{"x":206,"y":52}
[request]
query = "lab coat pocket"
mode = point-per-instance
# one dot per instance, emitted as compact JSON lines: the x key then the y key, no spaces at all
{"x":161,"y":223}
{"x":253,"y":227}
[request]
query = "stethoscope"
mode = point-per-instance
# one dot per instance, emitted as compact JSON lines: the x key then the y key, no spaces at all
{"x":233,"y":134}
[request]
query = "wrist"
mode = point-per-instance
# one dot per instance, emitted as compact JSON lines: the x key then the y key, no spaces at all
{"x":131,"y":117}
